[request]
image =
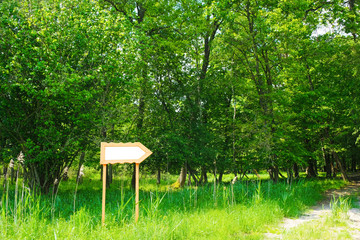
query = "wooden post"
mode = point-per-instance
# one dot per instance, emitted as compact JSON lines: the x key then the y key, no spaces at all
{"x":104,"y":195}
{"x":136,"y":192}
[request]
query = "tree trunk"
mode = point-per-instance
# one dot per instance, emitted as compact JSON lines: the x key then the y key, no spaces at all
{"x":5,"y":170}
{"x":196,"y":181}
{"x":296,"y":170}
{"x":344,"y":164}
{"x":310,"y":169}
{"x":189,"y":179}
{"x":133,"y":182}
{"x":109,"y":175}
{"x":80,"y":172}
{"x":11,"y":168}
{"x":204,"y":175}
{"x":201,"y":179}
{"x":274,"y":173}
{"x":333,"y":168}
{"x":158,"y":176}
{"x":327,"y":163}
{"x":221,"y":174}
{"x":180,"y":182}
{"x":182,"y":176}
{"x":289,"y":175}
{"x":353,"y":162}
{"x":80,"y":177}
{"x":341,"y":167}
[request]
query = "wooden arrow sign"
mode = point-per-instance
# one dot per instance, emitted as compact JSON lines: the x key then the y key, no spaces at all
{"x":123,"y":153}
{"x":111,"y":153}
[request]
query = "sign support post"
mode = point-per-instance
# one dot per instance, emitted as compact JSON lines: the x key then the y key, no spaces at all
{"x":111,"y":153}
{"x":137,"y":192}
{"x":103,"y":195}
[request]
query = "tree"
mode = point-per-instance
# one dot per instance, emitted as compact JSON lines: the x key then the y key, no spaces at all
{"x":55,"y":69}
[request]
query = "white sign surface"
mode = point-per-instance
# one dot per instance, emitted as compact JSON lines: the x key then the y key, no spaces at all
{"x":123,"y":153}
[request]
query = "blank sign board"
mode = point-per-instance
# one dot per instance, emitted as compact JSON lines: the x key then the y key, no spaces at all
{"x":123,"y":153}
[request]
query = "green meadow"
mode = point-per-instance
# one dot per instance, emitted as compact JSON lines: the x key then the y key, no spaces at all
{"x":244,"y":210}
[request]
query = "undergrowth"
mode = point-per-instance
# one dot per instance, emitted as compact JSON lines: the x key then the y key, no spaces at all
{"x":243,"y":210}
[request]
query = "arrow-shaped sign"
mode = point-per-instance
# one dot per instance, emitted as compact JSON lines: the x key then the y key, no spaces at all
{"x":123,"y":153}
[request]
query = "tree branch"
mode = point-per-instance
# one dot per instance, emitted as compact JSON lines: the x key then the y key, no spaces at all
{"x":316,"y":8}
{"x":119,"y":10}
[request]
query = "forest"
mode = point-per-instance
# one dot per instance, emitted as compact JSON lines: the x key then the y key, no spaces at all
{"x":251,"y":109}
{"x":211,"y":87}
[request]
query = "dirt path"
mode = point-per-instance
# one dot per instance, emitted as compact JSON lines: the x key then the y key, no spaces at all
{"x":323,"y":209}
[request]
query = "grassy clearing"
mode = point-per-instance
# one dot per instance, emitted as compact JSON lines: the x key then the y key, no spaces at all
{"x":244,"y":210}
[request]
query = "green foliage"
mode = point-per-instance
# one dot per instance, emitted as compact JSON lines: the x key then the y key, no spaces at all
{"x":53,"y":73}
{"x":230,"y":86}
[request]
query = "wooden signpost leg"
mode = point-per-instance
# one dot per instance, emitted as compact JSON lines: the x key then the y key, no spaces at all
{"x":104,"y":195}
{"x":136,"y":192}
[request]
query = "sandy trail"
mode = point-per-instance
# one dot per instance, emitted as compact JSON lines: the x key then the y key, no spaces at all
{"x":322,"y":209}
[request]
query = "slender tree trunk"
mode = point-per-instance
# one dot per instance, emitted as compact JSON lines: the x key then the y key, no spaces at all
{"x":80,"y":173}
{"x":274,"y":173}
{"x":133,"y":182}
{"x":341,"y":167}
{"x":196,"y":181}
{"x":12,"y":172}
{"x":204,"y":175}
{"x":158,"y":176}
{"x":310,"y":169}
{"x":271,"y":174}
{"x":5,"y":171}
{"x":296,"y":170}
{"x":353,"y":163}
{"x":327,"y":163}
{"x":180,"y":182}
{"x":343,"y":162}
{"x":201,"y":179}
{"x":289,"y":175}
{"x":221,"y":174}
{"x":189,"y":179}
{"x":109,"y":175}
{"x":182,"y":177}
{"x":333,"y":167}
{"x":215,"y":180}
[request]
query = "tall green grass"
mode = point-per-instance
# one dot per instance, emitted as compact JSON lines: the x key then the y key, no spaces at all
{"x":244,"y":210}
